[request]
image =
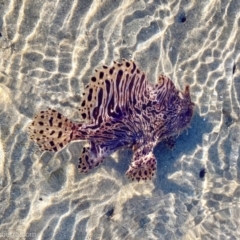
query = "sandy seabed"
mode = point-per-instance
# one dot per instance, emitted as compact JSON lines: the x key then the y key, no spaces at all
{"x":48,"y":51}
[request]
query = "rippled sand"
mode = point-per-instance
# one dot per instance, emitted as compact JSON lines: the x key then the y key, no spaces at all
{"x":48,"y":51}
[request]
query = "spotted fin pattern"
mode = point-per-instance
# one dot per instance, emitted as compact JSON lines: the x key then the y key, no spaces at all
{"x":51,"y":130}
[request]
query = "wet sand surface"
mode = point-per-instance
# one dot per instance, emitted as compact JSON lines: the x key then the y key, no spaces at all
{"x":48,"y":52}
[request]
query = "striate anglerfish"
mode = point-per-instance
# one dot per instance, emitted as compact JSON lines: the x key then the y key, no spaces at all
{"x":119,"y":108}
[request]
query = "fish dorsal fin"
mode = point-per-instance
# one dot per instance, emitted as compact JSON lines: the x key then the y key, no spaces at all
{"x":163,"y":87}
{"x":112,"y":91}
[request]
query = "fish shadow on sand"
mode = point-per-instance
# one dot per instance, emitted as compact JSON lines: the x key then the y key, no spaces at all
{"x":186,"y":143}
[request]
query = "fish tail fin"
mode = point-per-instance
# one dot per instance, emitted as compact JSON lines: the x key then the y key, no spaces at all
{"x":51,"y":130}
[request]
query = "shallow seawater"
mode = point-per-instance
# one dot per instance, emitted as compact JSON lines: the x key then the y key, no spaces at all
{"x":48,"y":52}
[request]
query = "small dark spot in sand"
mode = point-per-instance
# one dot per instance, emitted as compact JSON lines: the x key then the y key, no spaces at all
{"x":110,"y":212}
{"x":0,"y":34}
{"x":234,"y":68}
{"x":144,"y":221}
{"x":228,"y":120}
{"x":40,"y":199}
{"x":202,"y":173}
{"x":182,"y":18}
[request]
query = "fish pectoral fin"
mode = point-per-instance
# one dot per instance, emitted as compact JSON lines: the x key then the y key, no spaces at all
{"x":91,"y":157}
{"x":142,"y":167}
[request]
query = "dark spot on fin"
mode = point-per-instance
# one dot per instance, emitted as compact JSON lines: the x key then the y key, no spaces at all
{"x":59,"y":115}
{"x":83,"y":103}
{"x":101,"y":74}
{"x":51,"y":121}
{"x":111,"y":70}
{"x":90,"y":94}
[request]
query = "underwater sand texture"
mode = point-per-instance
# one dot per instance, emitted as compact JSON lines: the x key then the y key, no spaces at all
{"x":48,"y":52}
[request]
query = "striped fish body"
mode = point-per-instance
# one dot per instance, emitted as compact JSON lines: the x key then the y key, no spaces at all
{"x":119,"y":108}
